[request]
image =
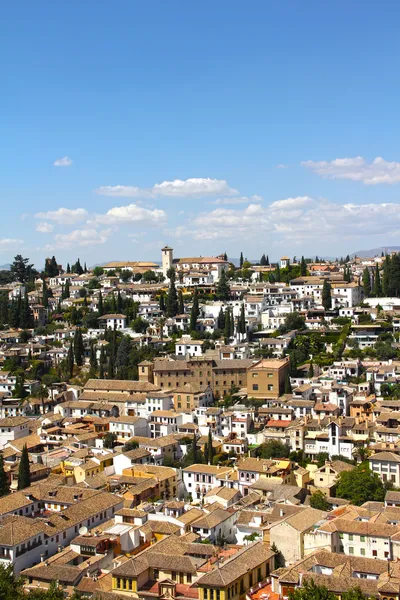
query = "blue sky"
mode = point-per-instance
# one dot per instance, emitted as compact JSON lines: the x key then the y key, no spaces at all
{"x":211,"y":126}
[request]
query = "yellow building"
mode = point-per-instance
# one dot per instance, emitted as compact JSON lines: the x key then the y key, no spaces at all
{"x":165,"y":477}
{"x":266,"y":378}
{"x":234,"y":578}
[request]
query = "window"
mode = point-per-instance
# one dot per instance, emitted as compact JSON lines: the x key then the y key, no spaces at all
{"x":351,"y":550}
{"x":362,"y":551}
{"x":255,"y":386}
{"x":362,"y":538}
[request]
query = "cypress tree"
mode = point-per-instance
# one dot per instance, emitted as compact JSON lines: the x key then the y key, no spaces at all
{"x":194,"y":313}
{"x":85,"y":269}
{"x":181,"y":306}
{"x":221,"y":319}
{"x":231,"y":325}
{"x":227,"y":326}
{"x":4,"y":485}
{"x":68,"y":268}
{"x":101,"y":365}
{"x":79,"y":348}
{"x":194,"y":449}
{"x":110,"y":370}
{"x":223,"y":289}
{"x":162,"y":302}
{"x":311,"y":370}
{"x":303,"y":267}
{"x":119,"y":302}
{"x":377,"y":283}
{"x":66,"y":290}
{"x":122,"y":356}
{"x":26,"y":316}
{"x":70,"y":362}
{"x":267,"y":263}
{"x":100,"y":309}
{"x":172,"y":300}
{"x":288,"y":385}
{"x":210,"y":450}
{"x":241,"y":261}
{"x":45,"y":294}
{"x":278,"y":273}
{"x":93,"y":357}
{"x":263,"y":260}
{"x":366,"y":279}
{"x":242,"y":321}
{"x":386,"y":276}
{"x":24,"y":473}
{"x":326,"y":295}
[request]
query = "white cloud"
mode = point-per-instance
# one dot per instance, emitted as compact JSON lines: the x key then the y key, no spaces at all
{"x":194,"y":188}
{"x":293,"y":220}
{"x":281,"y":166}
{"x":82,"y":237}
{"x":64,"y":216}
{"x":357,"y":169}
{"x":44,"y":227}
{"x":63,"y":162}
{"x":131,"y":213}
{"x":233,"y":201}
{"x":9,"y":243}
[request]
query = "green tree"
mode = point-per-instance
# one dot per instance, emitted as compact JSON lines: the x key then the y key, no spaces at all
{"x":110,"y":440}
{"x":194,"y":449}
{"x":326,"y":295}
{"x":288,"y":385}
{"x":221,"y":319}
{"x":241,"y":325}
{"x":311,"y":591}
{"x":311,"y":370}
{"x":360,"y":485}
{"x":122,"y":356}
{"x":93,"y":358}
{"x":386,"y":276}
{"x":194,"y":313}
{"x":4,"y":484}
{"x":19,"y":389}
{"x":273,"y":449}
{"x":303,"y":267}
{"x":66,"y":291}
{"x":227,"y":325}
{"x":319,"y":501}
{"x":223,"y":291}
{"x":77,"y":267}
{"x":263,"y":261}
{"x":210,"y":449}
{"x":110,"y":368}
{"x":162,"y":302}
{"x":366,"y":280}
{"x":70,"y":362}
{"x":181,"y":306}
{"x":21,"y":270}
{"x":241,"y":260}
{"x":172,"y":299}
{"x":24,"y":471}
{"x":377,"y":283}
{"x":79,"y":348}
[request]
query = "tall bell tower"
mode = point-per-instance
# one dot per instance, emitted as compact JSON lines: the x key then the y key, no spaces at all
{"x":167,"y":259}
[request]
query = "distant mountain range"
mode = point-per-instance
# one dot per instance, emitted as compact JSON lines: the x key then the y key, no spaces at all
{"x":5,"y":267}
{"x":375,"y":251}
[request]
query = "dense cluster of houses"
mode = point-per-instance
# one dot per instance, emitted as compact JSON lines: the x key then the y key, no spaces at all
{"x":118,"y":504}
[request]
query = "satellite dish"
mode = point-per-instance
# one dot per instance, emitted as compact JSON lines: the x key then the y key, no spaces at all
{"x":83,"y":530}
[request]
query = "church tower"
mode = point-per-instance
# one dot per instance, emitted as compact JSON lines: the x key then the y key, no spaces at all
{"x":167,"y":259}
